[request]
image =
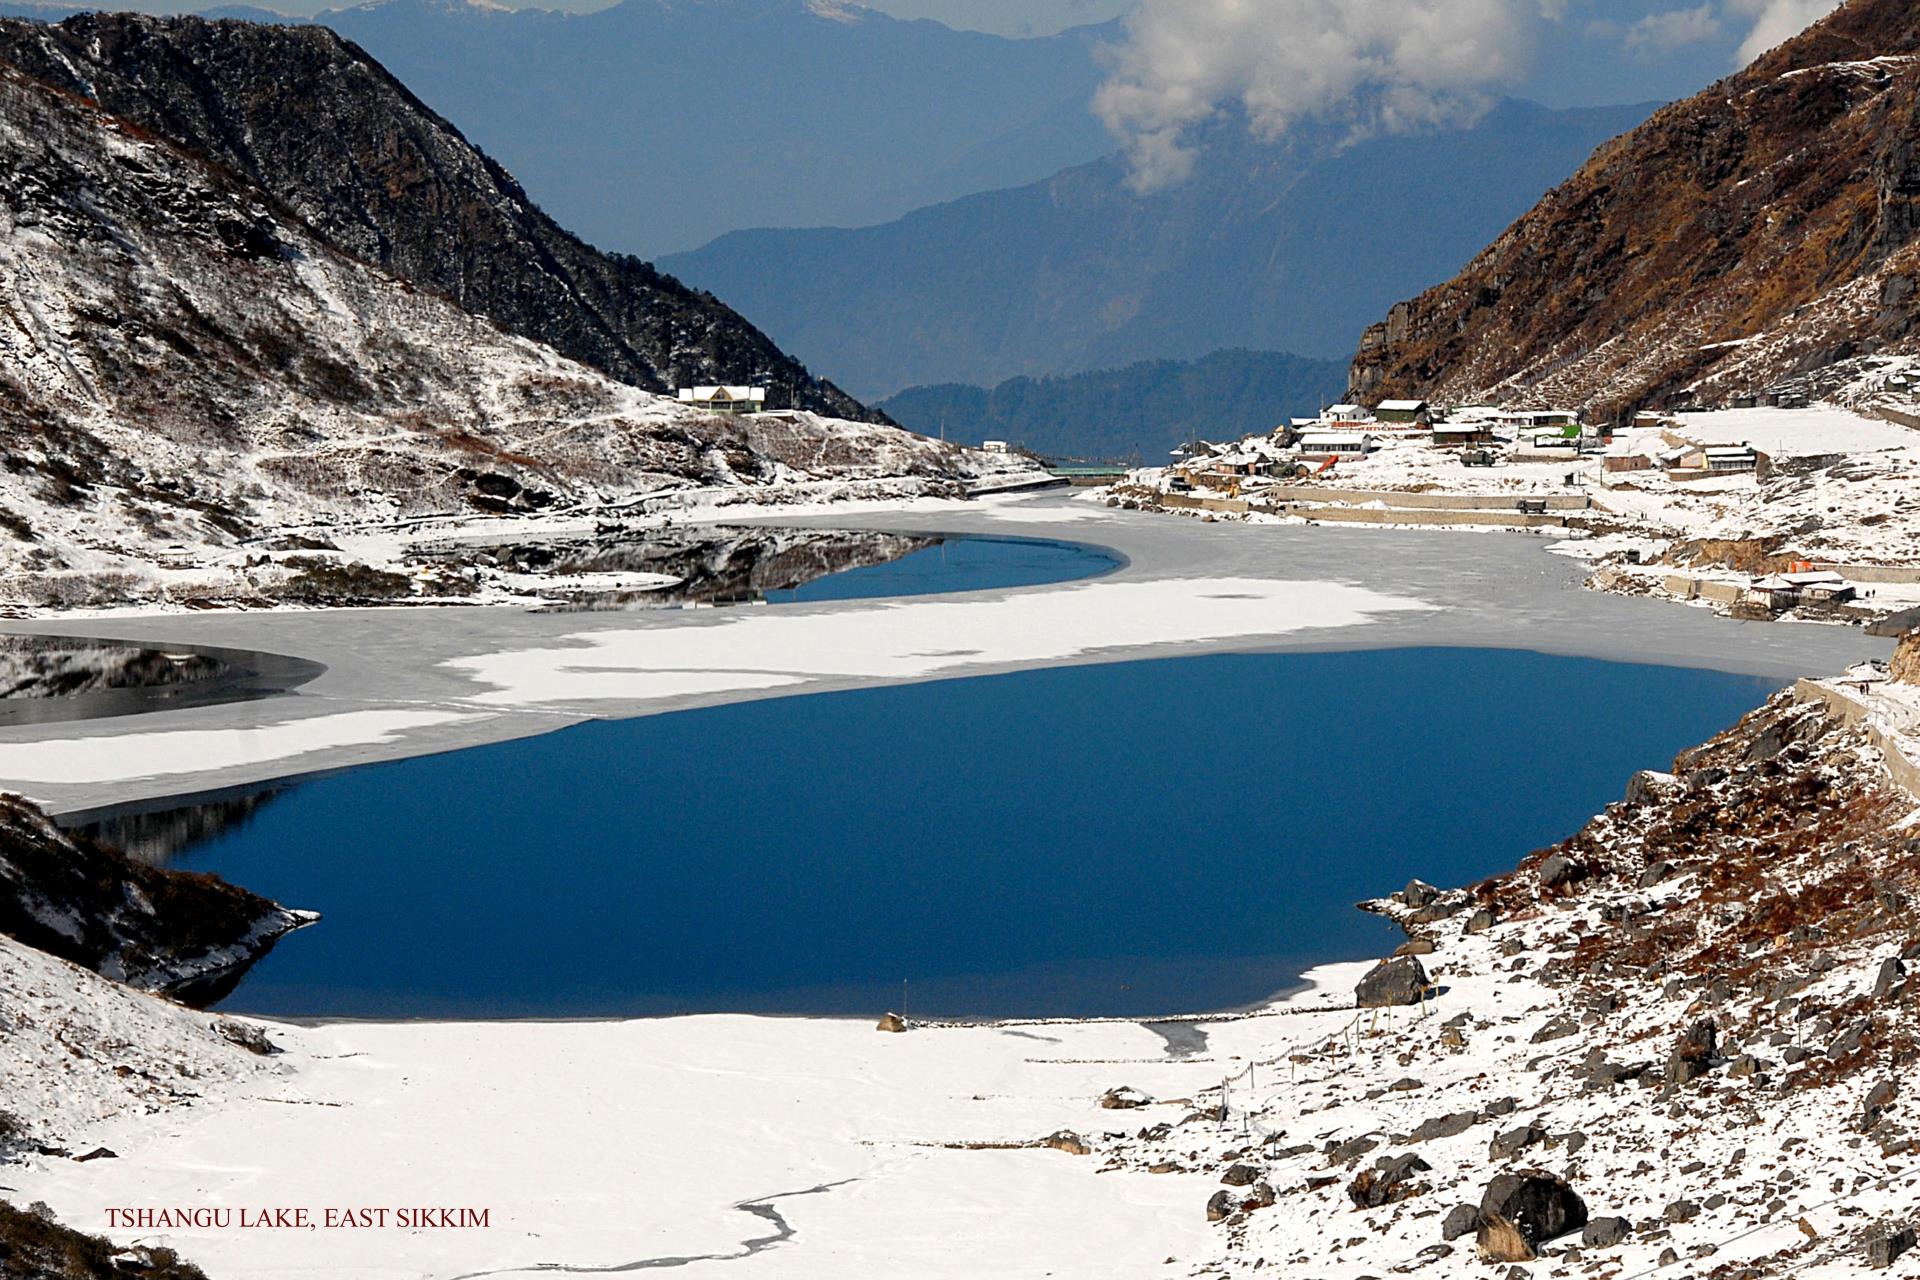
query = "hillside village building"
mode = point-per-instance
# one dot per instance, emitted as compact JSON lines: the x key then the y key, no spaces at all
{"x":1402,"y":412}
{"x":725,"y":399}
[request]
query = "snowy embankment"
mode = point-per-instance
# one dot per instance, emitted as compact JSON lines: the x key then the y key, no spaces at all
{"x":1698,"y":1017}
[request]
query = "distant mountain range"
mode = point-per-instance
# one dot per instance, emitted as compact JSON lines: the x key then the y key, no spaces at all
{"x":1764,"y":230}
{"x":1136,"y":413}
{"x":1290,"y":246}
{"x":656,"y":125}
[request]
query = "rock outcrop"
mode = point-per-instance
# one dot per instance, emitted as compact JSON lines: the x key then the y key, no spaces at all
{"x":1758,"y":232}
{"x":179,"y":933}
{"x":1906,"y":659}
{"x":1521,"y":1211}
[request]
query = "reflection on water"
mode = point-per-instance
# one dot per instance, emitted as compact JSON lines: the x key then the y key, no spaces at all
{"x":155,"y":836}
{"x":722,"y":564}
{"x":1134,"y":838}
{"x":48,"y":679}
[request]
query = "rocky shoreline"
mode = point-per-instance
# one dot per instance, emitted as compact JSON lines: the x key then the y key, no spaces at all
{"x":1683,"y":1037}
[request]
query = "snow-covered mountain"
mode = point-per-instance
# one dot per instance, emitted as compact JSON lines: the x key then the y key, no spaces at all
{"x":185,"y":360}
{"x":327,"y":132}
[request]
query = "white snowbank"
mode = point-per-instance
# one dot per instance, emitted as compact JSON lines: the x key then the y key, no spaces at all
{"x":918,"y":639}
{"x":162,"y":752}
{"x":597,"y":1145}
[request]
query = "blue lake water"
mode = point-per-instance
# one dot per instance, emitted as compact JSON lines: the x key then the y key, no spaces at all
{"x":1128,"y":839}
{"x":969,"y":563}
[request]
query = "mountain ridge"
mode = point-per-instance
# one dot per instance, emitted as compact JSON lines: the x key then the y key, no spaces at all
{"x":189,"y":371}
{"x":747,"y":114}
{"x":1136,"y":413}
{"x":1759,"y":234}
{"x":1288,"y":246}
{"x":307,"y":116}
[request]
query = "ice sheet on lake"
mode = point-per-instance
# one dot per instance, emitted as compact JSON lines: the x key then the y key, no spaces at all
{"x":162,"y":752}
{"x":917,"y":639}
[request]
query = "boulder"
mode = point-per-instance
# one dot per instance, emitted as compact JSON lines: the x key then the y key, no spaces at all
{"x":1444,"y":1126}
{"x":1694,"y":1053}
{"x":1648,"y":787}
{"x":1480,"y":921}
{"x":1415,"y":947}
{"x":1891,"y":971}
{"x":1557,"y":1029}
{"x":1068,"y":1141}
{"x":1885,"y":1247}
{"x":1604,"y":1233}
{"x":1388,"y":1182}
{"x":1461,"y":1220}
{"x":1655,"y":874}
{"x":1419,"y":893}
{"x":1350,"y":1150}
{"x":1514,"y":1141}
{"x":1401,"y":980}
{"x":1123,"y":1099}
{"x":1521,"y":1211}
{"x":1559,"y":870}
{"x":1220,"y":1205}
{"x":892,"y":1022}
{"x":1875,"y":1104}
{"x":1240,"y":1175}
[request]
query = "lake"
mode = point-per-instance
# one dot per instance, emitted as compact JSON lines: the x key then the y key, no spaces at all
{"x":1128,"y":839}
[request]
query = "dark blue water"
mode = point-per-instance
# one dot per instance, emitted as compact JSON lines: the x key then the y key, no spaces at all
{"x":1133,"y":838}
{"x":960,"y":564}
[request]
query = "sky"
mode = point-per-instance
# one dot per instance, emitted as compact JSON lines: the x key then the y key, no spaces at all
{"x":1380,"y":66}
{"x":1393,"y":66}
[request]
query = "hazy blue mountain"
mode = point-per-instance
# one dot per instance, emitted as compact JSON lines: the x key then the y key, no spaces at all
{"x":1140,"y":411}
{"x":656,"y":125}
{"x":1289,"y":246}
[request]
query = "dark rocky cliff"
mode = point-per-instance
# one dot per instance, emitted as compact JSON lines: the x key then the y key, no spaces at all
{"x":178,"y":932}
{"x":1759,"y":232}
{"x":313,"y":120}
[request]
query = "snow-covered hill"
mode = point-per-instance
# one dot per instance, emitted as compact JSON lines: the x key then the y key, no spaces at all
{"x":186,"y":367}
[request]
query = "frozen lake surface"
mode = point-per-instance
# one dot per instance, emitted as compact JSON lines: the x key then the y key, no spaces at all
{"x":1131,"y":838}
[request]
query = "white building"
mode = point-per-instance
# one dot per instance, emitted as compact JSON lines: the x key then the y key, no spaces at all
{"x":725,"y":399}
{"x":1338,"y":444}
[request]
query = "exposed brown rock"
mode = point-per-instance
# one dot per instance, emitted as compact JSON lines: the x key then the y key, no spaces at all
{"x":1784,"y":201}
{"x":1906,"y":659}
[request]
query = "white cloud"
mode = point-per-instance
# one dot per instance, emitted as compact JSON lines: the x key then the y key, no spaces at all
{"x":1777,"y":21}
{"x":1661,"y":32}
{"x":1418,"y":62}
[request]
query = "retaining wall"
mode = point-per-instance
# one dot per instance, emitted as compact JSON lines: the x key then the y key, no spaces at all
{"x":1427,"y":501}
{"x":1900,"y":767}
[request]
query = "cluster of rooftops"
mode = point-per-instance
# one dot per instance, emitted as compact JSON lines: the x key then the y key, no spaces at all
{"x":1345,"y":431}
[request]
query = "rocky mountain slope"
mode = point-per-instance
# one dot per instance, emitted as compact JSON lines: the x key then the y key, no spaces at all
{"x":1275,"y":246}
{"x":1685,"y":1036}
{"x":374,"y":174}
{"x":186,"y":363}
{"x":1758,"y":232}
{"x":177,"y":932}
